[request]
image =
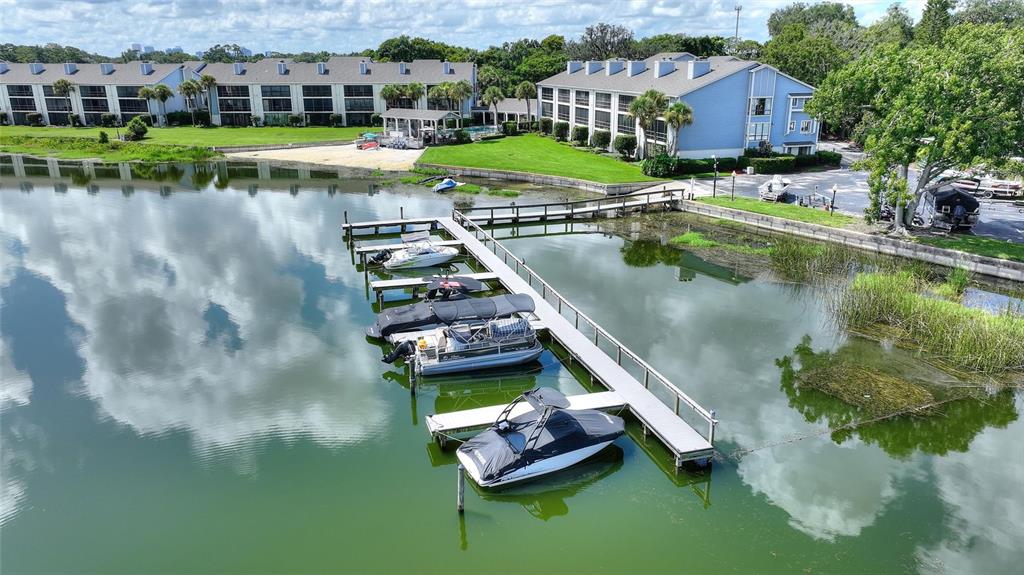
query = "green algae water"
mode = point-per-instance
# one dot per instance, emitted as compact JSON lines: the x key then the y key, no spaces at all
{"x":186,"y":387}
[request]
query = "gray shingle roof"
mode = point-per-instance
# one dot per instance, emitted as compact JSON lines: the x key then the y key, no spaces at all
{"x":516,"y":106}
{"x":87,"y":74}
{"x":674,"y":83}
{"x":340,"y":70}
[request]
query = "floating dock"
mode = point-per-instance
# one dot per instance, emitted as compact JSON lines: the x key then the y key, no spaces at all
{"x":574,"y":331}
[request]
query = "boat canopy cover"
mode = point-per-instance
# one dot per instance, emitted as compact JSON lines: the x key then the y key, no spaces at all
{"x":498,"y":452}
{"x":953,"y":197}
{"x":456,"y":283}
{"x":544,"y":397}
{"x":420,"y":236}
{"x":423,"y":315}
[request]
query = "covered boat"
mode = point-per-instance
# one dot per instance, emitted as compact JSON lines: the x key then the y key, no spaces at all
{"x":452,"y":287}
{"x":548,"y":438}
{"x":447,"y":184}
{"x":775,"y":189}
{"x":950,"y":209}
{"x":470,"y":346}
{"x":429,"y":315}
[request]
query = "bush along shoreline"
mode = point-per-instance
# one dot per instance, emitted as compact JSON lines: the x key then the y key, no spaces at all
{"x":666,"y":166}
{"x":103,"y":148}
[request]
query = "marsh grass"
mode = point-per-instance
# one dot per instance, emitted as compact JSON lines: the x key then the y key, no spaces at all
{"x":114,"y":151}
{"x":875,"y":392}
{"x":967,"y":338}
{"x":694,"y":239}
{"x":801,"y":260}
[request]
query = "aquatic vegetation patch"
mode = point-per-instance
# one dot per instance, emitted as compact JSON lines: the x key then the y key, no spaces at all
{"x":968,"y":338}
{"x":694,"y":239}
{"x":503,"y":193}
{"x":873,"y":391}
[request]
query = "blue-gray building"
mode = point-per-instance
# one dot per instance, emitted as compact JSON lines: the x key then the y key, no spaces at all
{"x":736,"y":103}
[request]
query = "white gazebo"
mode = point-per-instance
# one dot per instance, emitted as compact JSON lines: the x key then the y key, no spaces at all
{"x":414,"y":123}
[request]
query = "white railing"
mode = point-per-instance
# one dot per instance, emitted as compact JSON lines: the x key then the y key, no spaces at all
{"x":532,"y":278}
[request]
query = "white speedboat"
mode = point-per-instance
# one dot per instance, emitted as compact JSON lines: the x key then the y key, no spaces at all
{"x":417,"y":252}
{"x":775,"y":189}
{"x":468,"y":346}
{"x":548,"y":438}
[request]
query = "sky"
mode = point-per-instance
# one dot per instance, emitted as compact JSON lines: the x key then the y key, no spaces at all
{"x":110,"y":26}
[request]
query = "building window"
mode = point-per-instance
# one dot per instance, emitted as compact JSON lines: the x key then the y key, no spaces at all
{"x":582,"y":116}
{"x":93,"y":91}
{"x":275,"y":119}
{"x":133,"y":105}
{"x":806,"y":126}
{"x":277,"y":105}
{"x":760,"y":106}
{"x":358,"y":91}
{"x":626,"y":124}
{"x":563,"y":95}
{"x":95,"y":105}
{"x":798,"y":104}
{"x":276,"y":91}
{"x":546,"y":110}
{"x":233,"y":91}
{"x":235,"y":105}
{"x":791,"y":127}
{"x":319,"y":91}
{"x":320,"y":119}
{"x":563,"y":113}
{"x":582,"y":98}
{"x":603,"y":100}
{"x":624,"y":102}
{"x":357,"y":119}
{"x":659,"y":131}
{"x":58,"y":105}
{"x":321,"y":104}
{"x":547,"y":94}
{"x":234,"y":119}
{"x":758,"y":131}
{"x":602,"y":120}
{"x":23,"y":104}
{"x":128,"y":91}
{"x":358,"y":104}
{"x":19,"y":90}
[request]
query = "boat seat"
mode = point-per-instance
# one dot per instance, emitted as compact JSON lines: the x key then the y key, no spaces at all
{"x":509,"y":327}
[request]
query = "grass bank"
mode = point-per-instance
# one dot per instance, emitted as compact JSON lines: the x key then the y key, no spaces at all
{"x":978,"y":245}
{"x":538,"y":155}
{"x":907,"y":306}
{"x":471,"y":189}
{"x":192,"y":136}
{"x":114,"y":151}
{"x":787,"y":211}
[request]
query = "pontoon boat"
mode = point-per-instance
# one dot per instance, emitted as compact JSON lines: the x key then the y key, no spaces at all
{"x":469,"y":346}
{"x":429,"y":315}
{"x":547,"y":439}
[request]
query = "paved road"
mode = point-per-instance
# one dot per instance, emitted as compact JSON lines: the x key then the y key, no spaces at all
{"x":999,"y":219}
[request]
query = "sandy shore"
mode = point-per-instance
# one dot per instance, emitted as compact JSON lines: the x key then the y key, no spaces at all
{"x":347,"y":155}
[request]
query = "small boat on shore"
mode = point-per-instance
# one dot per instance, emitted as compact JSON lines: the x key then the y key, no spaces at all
{"x":417,"y":252}
{"x":432,"y":314}
{"x":447,"y":184}
{"x":470,"y":346}
{"x":775,"y":189}
{"x":950,"y":209}
{"x":546,"y":439}
{"x":988,"y":187}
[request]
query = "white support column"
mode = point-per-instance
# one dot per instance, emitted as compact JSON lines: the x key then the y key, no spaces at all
{"x":37,"y":93}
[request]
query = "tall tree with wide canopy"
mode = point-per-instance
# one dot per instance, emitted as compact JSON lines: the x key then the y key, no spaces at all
{"x":646,"y":109}
{"x":1009,"y":12}
{"x":934,"y":107}
{"x":810,"y":15}
{"x":804,"y":56}
{"x":602,"y":42}
{"x":677,"y":115}
{"x":935,"y":20}
{"x":896,"y":27}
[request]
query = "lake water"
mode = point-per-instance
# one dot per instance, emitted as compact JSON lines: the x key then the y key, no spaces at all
{"x":187,"y":388}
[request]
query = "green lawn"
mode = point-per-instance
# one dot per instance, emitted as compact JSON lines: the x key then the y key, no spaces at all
{"x":538,"y":155}
{"x":787,"y":211}
{"x":114,"y":151}
{"x":192,"y":136}
{"x":978,"y":245}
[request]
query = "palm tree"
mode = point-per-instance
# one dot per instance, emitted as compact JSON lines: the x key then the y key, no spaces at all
{"x":460,"y":91}
{"x":492,"y":96}
{"x":161,"y":93}
{"x":208,"y":83}
{"x":62,"y":89}
{"x":190,"y":89}
{"x":646,"y":109}
{"x":414,"y":92}
{"x":677,"y":115}
{"x":146,"y":93}
{"x":439,"y":93}
{"x":524,"y":91}
{"x":391,"y":94}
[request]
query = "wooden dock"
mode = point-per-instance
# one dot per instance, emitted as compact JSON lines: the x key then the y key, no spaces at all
{"x":665,"y":196}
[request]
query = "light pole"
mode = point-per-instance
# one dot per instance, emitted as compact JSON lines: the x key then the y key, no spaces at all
{"x":714,"y":186}
{"x":733,"y":193}
{"x":832,"y":207}
{"x":736,"y":38}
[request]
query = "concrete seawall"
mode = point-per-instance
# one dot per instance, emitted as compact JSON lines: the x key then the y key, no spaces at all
{"x":879,"y":244}
{"x":257,"y":148}
{"x":606,"y":189}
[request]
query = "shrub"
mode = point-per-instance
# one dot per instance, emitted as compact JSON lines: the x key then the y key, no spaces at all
{"x":826,"y":158}
{"x":694,"y":166}
{"x":255,"y":121}
{"x":145,"y":119}
{"x":179,"y":118}
{"x":742,"y":162}
{"x":777,"y":165}
{"x":492,"y":137}
{"x":202,"y":118}
{"x":625,"y":144}
{"x":561,"y":131}
{"x":107,"y":120}
{"x":581,"y":135}
{"x":534,"y":126}
{"x":806,"y":160}
{"x":602,"y":138}
{"x":376,"y":120}
{"x":509,"y":129}
{"x":34,"y":118}
{"x":660,"y":166}
{"x":294,"y":120}
{"x":104,"y":138}
{"x":136,"y":129}
{"x":74,"y":120}
{"x":545,"y":125}
{"x":462,"y":137}
{"x":3,"y":118}
{"x":337,"y":120}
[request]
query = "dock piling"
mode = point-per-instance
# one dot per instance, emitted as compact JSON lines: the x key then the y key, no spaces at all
{"x":461,"y":497}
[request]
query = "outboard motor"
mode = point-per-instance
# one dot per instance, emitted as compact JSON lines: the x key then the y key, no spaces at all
{"x":401,"y":350}
{"x":380,"y":257}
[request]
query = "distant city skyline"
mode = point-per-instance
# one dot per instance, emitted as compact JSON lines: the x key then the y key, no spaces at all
{"x":298,"y":26}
